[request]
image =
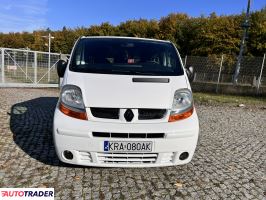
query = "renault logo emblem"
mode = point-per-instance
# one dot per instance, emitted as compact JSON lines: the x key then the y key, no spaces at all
{"x":128,"y":115}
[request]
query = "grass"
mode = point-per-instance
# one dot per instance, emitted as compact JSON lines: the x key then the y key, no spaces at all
{"x":228,"y":99}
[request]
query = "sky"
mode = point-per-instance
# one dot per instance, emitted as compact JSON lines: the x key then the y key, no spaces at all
{"x":30,"y":15}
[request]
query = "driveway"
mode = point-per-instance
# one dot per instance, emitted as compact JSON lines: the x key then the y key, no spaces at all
{"x":229,"y":162}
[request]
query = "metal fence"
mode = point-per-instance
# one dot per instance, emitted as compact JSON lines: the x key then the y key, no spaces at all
{"x":22,"y":68}
{"x":215,"y":74}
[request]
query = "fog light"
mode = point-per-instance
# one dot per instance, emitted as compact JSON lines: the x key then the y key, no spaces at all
{"x":68,"y":155}
{"x":183,"y":156}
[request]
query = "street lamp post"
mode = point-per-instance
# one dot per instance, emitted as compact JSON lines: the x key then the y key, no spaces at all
{"x":245,"y":26}
{"x":49,"y":56}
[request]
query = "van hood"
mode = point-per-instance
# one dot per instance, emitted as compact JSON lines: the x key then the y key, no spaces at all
{"x":119,"y":91}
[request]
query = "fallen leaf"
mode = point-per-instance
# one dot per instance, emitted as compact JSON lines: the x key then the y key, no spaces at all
{"x":178,"y":184}
{"x":42,"y":186}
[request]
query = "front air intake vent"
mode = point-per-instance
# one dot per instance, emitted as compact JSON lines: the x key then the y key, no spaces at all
{"x":107,"y":113}
{"x":127,"y":158}
{"x":148,"y":114}
{"x":128,"y":135}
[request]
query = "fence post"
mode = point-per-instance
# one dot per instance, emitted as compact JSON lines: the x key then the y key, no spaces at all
{"x":35,"y":67}
{"x":185,"y":64}
{"x":27,"y":64}
{"x":259,"y":80}
{"x":49,"y":65}
{"x":3,"y":64}
{"x":220,"y":70}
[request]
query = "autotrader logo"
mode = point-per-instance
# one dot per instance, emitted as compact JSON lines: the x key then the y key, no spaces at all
{"x":27,"y":193}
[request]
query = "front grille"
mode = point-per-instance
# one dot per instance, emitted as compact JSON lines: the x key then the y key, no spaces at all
{"x":124,"y":158}
{"x":107,"y":113}
{"x":146,"y":114}
{"x":128,"y":135}
{"x":143,"y":113}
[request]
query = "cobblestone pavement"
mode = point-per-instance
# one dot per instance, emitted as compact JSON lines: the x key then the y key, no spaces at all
{"x":229,"y":162}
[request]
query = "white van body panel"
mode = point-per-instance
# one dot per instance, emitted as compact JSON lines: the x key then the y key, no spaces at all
{"x":76,"y":135}
{"x":119,"y":91}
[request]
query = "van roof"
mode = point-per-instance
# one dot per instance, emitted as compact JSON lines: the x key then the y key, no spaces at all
{"x":122,"y":37}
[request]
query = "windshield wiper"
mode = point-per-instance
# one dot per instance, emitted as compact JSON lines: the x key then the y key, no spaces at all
{"x":145,"y":73}
{"x":132,"y":72}
{"x":120,"y":71}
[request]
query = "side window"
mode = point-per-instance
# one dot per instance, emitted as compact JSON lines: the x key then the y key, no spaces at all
{"x":79,"y":55}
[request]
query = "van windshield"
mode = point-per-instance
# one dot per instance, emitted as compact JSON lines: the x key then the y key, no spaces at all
{"x":125,"y":56}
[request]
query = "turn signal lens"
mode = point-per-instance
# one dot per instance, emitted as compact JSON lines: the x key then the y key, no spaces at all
{"x":72,"y":113}
{"x":176,"y":117}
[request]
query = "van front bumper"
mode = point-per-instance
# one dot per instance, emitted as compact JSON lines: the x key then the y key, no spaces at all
{"x":75,"y":136}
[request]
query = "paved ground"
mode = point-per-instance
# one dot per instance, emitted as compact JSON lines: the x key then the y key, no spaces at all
{"x":229,"y":162}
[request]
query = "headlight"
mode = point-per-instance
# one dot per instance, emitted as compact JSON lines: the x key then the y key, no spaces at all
{"x":182,"y":105}
{"x":71,"y":102}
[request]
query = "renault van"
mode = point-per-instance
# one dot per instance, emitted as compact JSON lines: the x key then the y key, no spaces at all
{"x":125,"y":102}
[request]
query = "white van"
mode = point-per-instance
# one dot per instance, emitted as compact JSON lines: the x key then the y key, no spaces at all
{"x":125,"y":102}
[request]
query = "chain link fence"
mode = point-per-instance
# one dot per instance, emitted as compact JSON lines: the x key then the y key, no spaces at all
{"x":22,"y":68}
{"x":215,"y":74}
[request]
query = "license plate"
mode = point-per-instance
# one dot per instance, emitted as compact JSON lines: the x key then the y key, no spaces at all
{"x":127,"y":146}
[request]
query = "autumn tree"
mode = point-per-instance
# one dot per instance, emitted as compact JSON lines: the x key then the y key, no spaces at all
{"x":201,"y":36}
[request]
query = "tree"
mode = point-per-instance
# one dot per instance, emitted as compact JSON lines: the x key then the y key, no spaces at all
{"x":201,"y":36}
{"x":256,"y":44}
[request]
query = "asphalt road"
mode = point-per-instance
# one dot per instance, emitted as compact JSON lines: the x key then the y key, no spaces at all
{"x":229,"y":162}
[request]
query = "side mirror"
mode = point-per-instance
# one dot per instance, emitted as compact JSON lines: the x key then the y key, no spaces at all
{"x":190,"y":73}
{"x":61,"y":68}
